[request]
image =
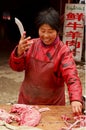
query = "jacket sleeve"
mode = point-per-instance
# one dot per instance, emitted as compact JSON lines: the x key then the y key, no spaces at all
{"x":70,"y":75}
{"x":17,"y":63}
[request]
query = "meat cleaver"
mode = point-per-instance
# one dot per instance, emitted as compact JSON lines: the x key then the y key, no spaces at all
{"x":20,"y":26}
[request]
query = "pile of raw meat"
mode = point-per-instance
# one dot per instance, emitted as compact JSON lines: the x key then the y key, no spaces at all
{"x":24,"y":114}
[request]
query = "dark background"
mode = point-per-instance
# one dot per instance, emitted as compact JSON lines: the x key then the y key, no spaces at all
{"x":26,"y":11}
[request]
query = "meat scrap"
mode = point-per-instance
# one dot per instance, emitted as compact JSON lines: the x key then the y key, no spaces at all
{"x":44,"y":109}
{"x":7,"y":117}
{"x":80,"y":122}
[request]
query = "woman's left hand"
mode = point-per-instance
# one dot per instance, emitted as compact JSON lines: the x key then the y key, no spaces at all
{"x":76,"y":107}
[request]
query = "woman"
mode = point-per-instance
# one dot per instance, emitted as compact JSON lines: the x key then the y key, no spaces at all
{"x":48,"y":63}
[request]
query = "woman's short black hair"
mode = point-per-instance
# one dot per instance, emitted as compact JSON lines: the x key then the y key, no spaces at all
{"x":48,"y":16}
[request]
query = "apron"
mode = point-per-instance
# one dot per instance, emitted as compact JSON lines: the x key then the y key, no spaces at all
{"x":42,"y":85}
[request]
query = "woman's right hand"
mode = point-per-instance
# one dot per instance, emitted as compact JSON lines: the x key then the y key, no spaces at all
{"x":24,"y":44}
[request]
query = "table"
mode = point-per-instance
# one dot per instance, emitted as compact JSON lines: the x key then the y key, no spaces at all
{"x":50,"y":120}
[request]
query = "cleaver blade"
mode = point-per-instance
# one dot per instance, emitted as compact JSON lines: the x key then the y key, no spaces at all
{"x":20,"y":26}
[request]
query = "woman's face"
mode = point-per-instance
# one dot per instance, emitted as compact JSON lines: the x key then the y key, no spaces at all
{"x":47,"y":34}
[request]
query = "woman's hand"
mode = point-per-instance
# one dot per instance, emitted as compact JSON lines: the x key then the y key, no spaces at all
{"x":24,"y":44}
{"x":76,"y":107}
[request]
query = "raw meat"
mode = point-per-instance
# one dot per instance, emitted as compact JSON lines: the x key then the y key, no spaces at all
{"x":80,"y":122}
{"x":28,"y":114}
{"x":7,"y":117}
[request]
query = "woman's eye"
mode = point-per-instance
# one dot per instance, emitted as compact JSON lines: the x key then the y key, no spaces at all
{"x":43,"y":31}
{"x":50,"y":31}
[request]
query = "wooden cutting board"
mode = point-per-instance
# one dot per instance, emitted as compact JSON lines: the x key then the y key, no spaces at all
{"x":51,"y":119}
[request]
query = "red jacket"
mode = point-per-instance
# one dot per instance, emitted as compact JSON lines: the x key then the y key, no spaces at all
{"x":46,"y":70}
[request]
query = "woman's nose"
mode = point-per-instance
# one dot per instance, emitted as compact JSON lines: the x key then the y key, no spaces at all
{"x":46,"y":34}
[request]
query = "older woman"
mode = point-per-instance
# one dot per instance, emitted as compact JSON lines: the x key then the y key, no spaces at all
{"x":48,"y":63}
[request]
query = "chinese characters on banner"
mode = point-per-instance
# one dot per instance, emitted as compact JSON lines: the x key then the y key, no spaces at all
{"x":73,"y":31}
